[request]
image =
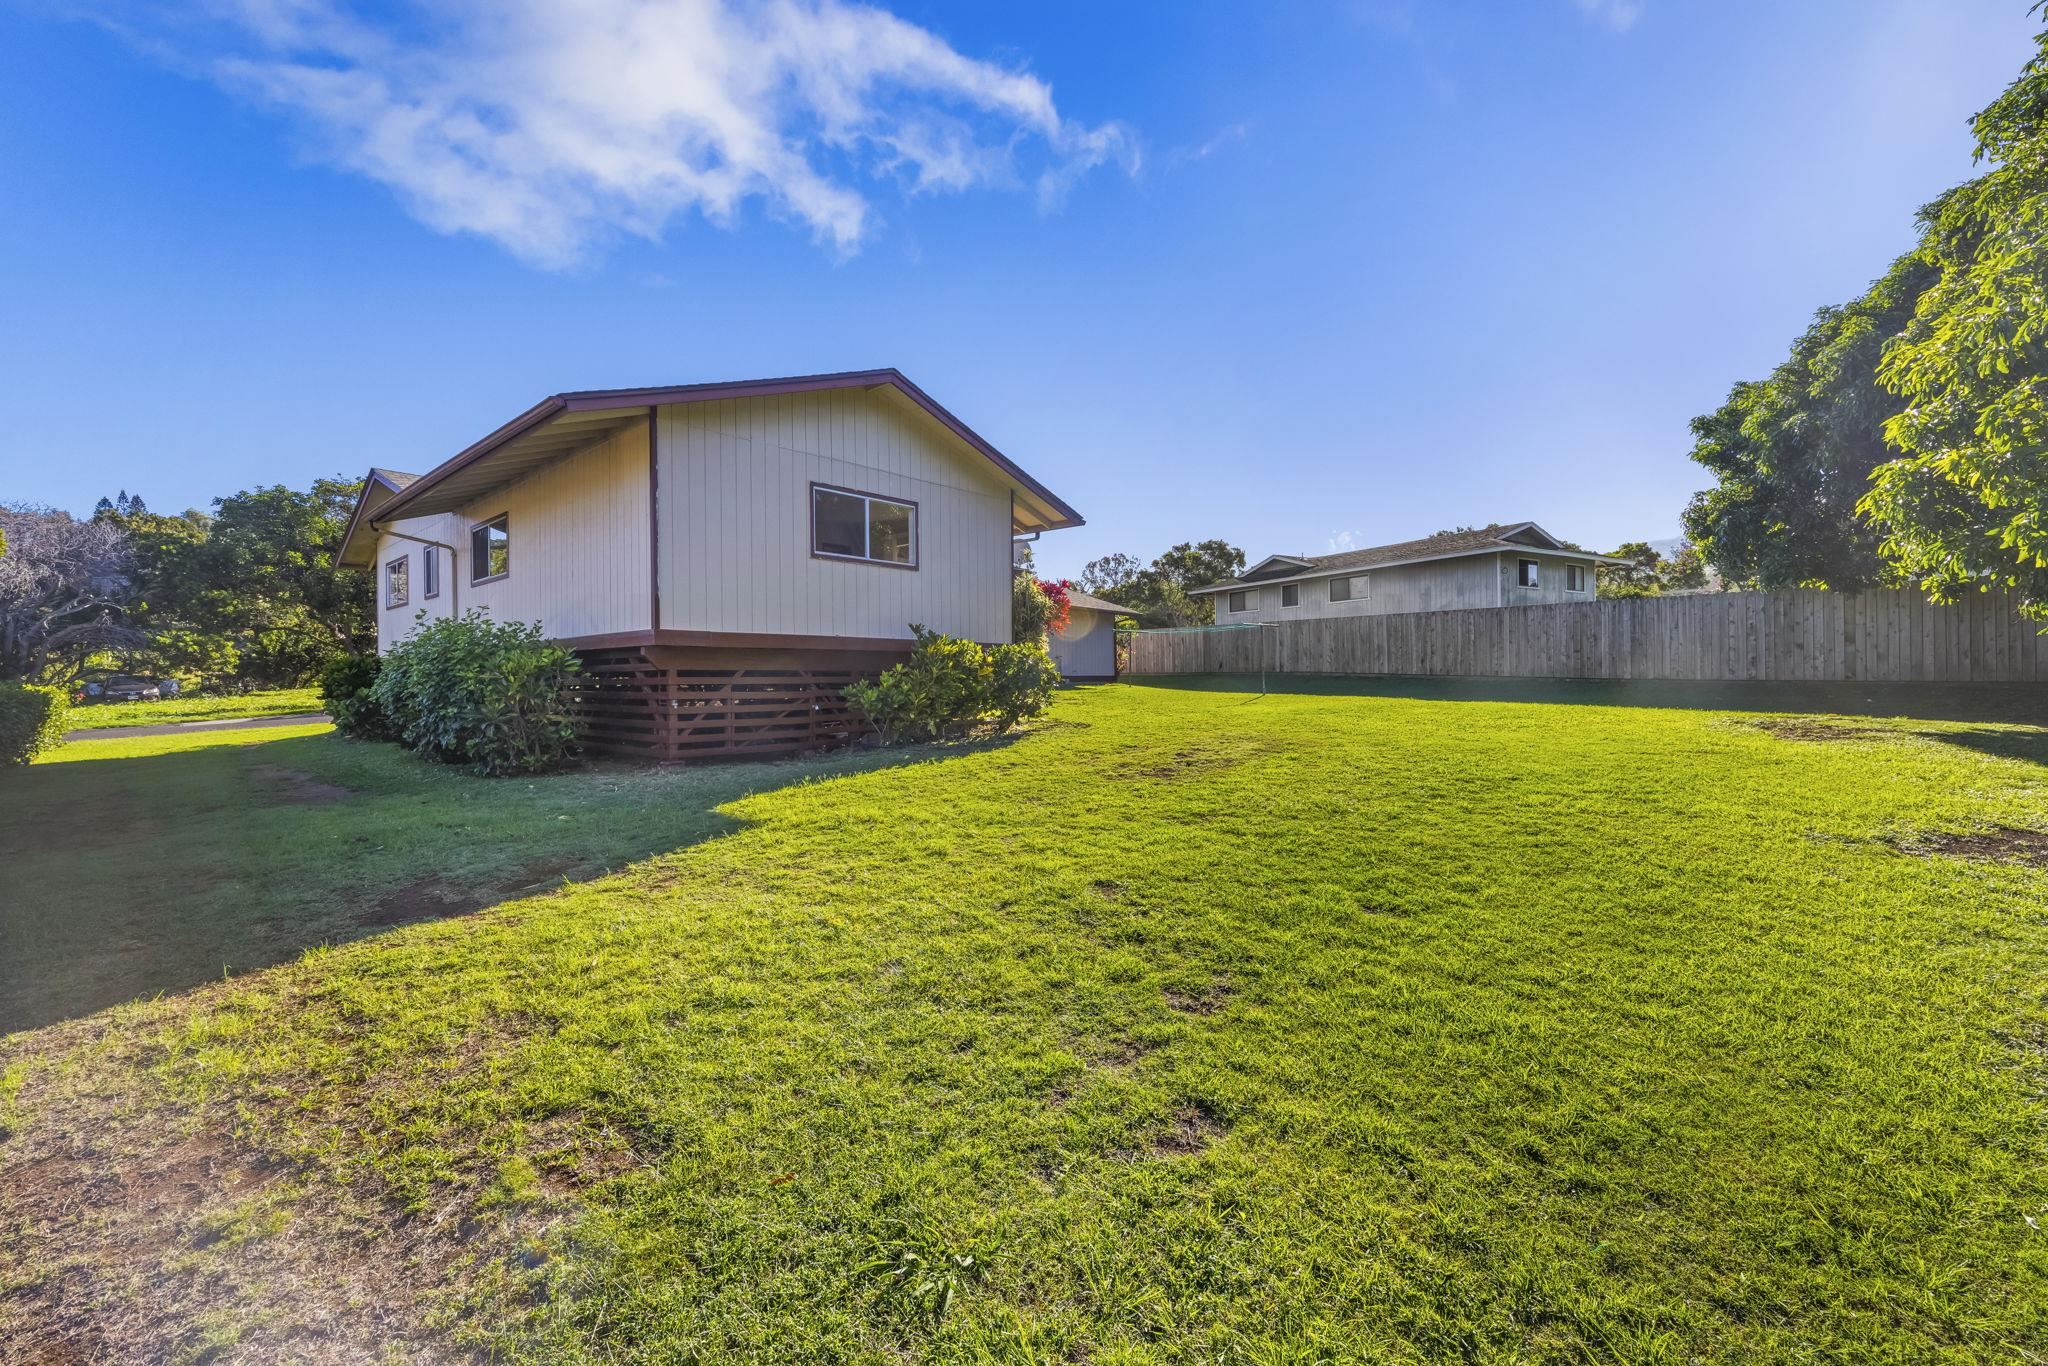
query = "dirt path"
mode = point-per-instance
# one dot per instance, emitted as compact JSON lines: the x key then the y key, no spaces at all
{"x":181,"y":727}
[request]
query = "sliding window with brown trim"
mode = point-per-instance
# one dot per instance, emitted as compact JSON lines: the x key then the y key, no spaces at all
{"x":849,"y":524}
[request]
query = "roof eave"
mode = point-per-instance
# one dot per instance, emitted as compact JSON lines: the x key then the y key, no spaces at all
{"x":469,"y":455}
{"x":1058,"y":515}
{"x":371,"y":482}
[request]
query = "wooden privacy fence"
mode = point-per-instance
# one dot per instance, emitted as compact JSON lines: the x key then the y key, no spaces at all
{"x":1794,"y":635}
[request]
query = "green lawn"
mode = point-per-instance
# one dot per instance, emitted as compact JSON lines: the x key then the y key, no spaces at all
{"x":1191,"y":1026}
{"x":277,"y":702}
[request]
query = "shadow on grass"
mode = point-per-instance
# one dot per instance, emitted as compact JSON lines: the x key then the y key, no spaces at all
{"x":2031,"y":746}
{"x":142,"y":876}
{"x":2005,"y":702}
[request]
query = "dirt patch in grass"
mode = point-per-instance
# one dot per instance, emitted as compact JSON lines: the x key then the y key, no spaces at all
{"x":2001,"y":844}
{"x":1192,"y":1128}
{"x":1205,"y":1002}
{"x":293,"y":788}
{"x":1819,"y":732}
{"x":154,"y":1232}
{"x":1197,"y":761}
{"x":120,"y":1229}
{"x":435,"y":897}
{"x":1125,"y":1053}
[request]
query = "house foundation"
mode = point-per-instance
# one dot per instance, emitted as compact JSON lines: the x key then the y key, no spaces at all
{"x":677,"y":703}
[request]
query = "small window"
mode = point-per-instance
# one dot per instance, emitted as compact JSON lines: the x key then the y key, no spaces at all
{"x":1290,"y":595}
{"x":430,"y":571}
{"x":1241,"y":601}
{"x":490,"y":550}
{"x":1528,"y":578}
{"x":397,"y":583}
{"x":849,"y":525}
{"x":1349,"y":587}
{"x":1575,"y":578}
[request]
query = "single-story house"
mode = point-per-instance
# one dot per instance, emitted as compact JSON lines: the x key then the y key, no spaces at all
{"x":1085,"y":648}
{"x":723,"y":557}
{"x":1507,"y":564}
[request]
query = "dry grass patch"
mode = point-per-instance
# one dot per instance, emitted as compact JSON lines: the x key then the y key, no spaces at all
{"x":2001,"y":844}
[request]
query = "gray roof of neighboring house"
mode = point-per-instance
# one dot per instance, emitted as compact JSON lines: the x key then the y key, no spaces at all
{"x":1089,"y":602}
{"x":398,"y":479}
{"x":1486,"y":540}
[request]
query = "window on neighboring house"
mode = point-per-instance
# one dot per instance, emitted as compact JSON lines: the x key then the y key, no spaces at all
{"x":396,"y":581}
{"x":430,"y":571}
{"x":1528,"y":575}
{"x":1575,"y":578}
{"x":849,"y":525}
{"x":490,"y":550}
{"x":1242,"y":599}
{"x":1353,"y":586}
{"x":1290,"y":595}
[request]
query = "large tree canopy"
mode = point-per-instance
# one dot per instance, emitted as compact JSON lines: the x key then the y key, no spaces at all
{"x":1794,"y":453}
{"x":65,"y":586}
{"x":261,"y":574}
{"x":1906,"y":438}
{"x":1966,"y":504}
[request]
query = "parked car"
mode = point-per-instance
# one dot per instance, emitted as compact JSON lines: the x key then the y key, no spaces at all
{"x":124,"y":688}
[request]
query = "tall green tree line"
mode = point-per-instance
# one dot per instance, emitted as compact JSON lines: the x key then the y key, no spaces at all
{"x":1905,"y":439}
{"x":247,"y":594}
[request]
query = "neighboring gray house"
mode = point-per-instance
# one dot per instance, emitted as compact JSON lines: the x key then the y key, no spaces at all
{"x":1086,"y":649}
{"x":1508,"y":564}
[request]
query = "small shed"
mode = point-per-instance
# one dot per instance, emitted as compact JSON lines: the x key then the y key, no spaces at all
{"x":1085,"y":648}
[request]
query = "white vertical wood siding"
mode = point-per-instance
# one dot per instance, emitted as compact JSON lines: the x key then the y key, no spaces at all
{"x":396,"y":623}
{"x":736,"y":519}
{"x":579,"y":529}
{"x":1549,"y":581}
{"x":1087,"y":648}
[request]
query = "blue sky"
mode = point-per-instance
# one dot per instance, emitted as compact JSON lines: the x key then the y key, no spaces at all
{"x":1297,"y":275}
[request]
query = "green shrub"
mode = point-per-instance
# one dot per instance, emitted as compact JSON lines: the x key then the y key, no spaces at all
{"x":32,"y":720}
{"x":467,"y":690}
{"x":348,"y":690}
{"x":1022,"y":683}
{"x":1037,"y":606}
{"x":949,"y":686}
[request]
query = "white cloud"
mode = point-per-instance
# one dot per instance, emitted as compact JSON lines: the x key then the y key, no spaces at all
{"x":1224,"y":137}
{"x":1341,"y":541}
{"x":550,"y":126}
{"x":1617,"y":15}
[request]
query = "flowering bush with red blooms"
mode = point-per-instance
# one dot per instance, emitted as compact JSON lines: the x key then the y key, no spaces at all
{"x":1056,"y":590}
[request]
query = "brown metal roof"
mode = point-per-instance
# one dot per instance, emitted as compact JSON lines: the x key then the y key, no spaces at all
{"x":562,"y":423}
{"x":1444,"y":545}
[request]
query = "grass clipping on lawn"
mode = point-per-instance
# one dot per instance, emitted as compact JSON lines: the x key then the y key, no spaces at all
{"x":1193,"y":1026}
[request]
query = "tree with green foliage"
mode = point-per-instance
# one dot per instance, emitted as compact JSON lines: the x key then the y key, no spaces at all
{"x":1645,"y":572}
{"x":1684,"y":571}
{"x":166,"y":560}
{"x":1113,"y":573}
{"x":1161,"y":588}
{"x":250,"y":593}
{"x":1635,"y":577}
{"x":1794,"y":453}
{"x":1965,"y":506}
